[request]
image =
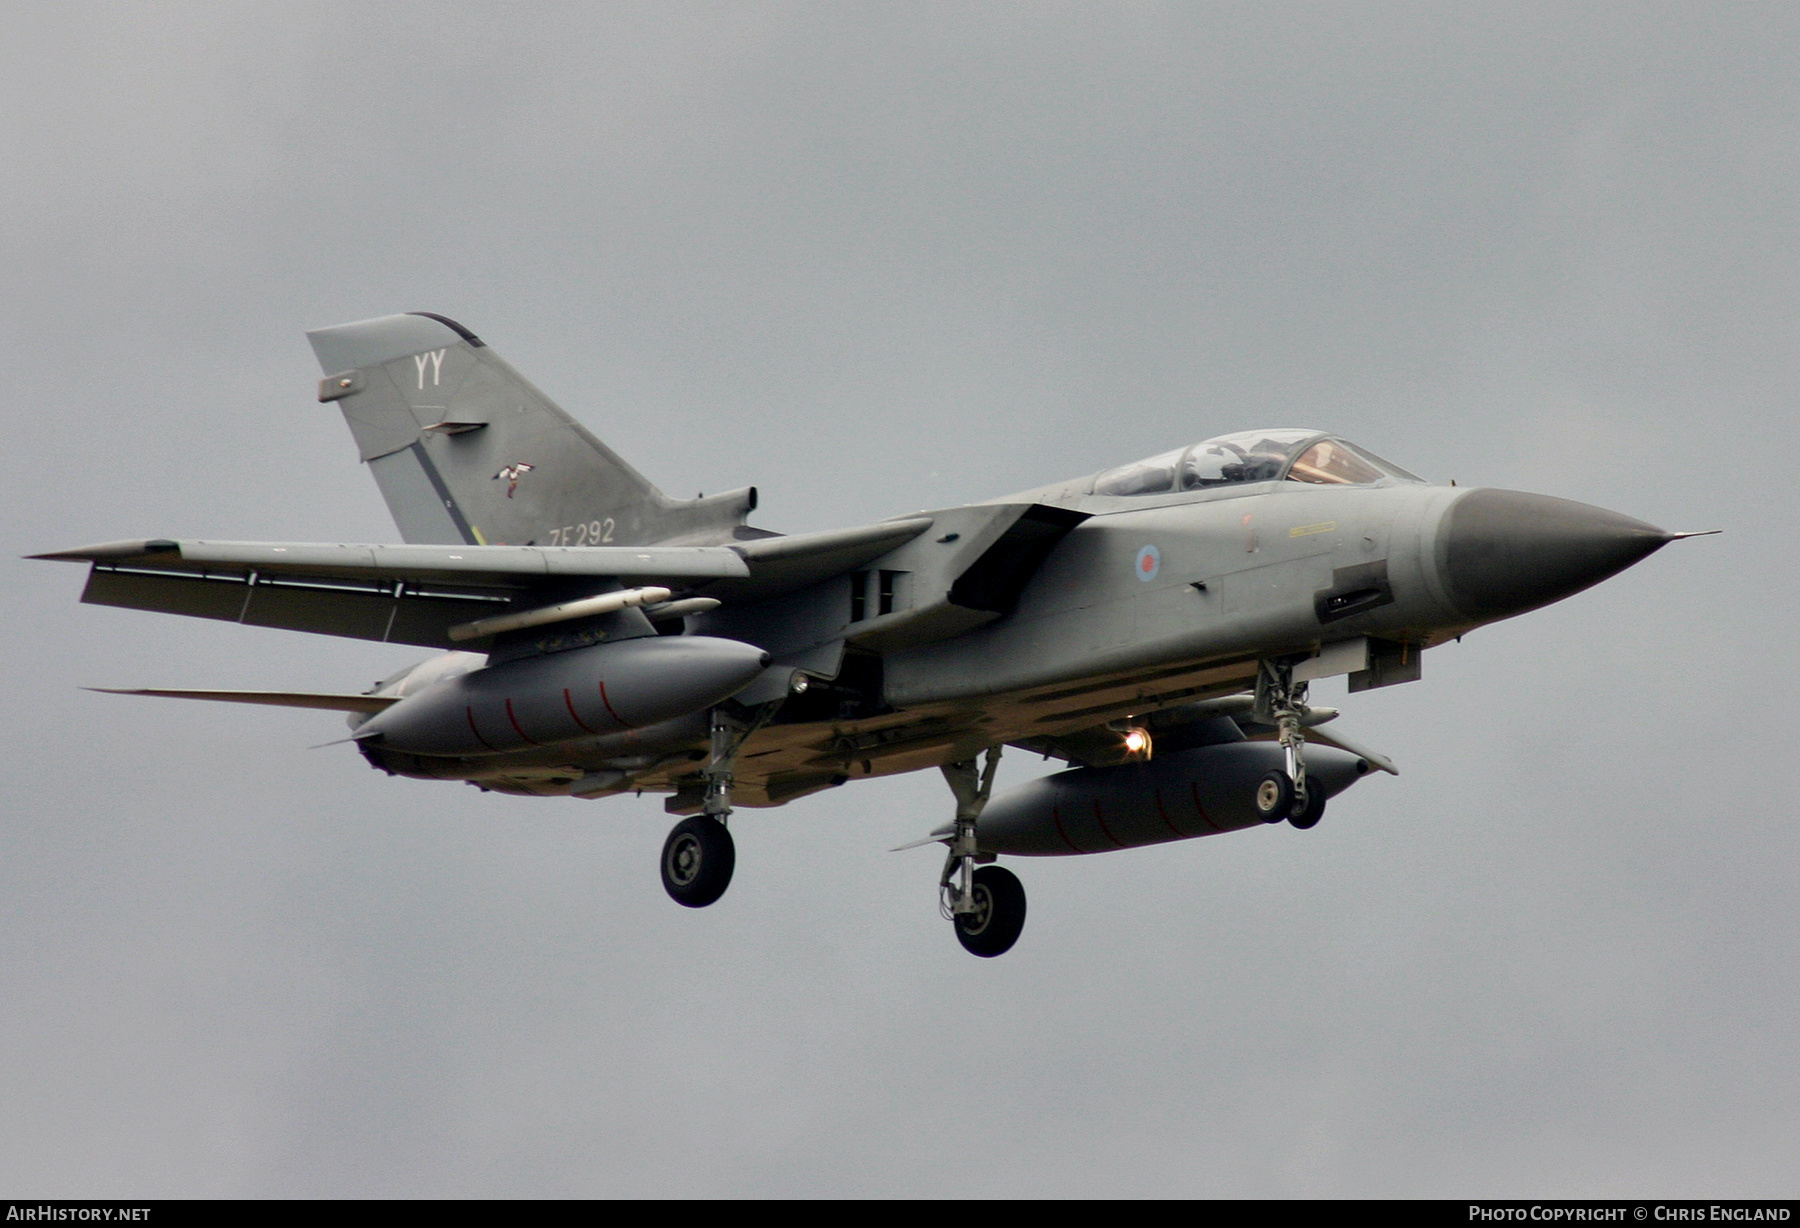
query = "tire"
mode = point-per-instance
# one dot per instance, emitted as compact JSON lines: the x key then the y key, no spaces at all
{"x":1273,"y":800}
{"x":1000,"y":913}
{"x":697,"y":860}
{"x":1314,"y":810}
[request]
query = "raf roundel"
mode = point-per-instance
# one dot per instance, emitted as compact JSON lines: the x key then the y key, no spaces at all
{"x":1149,"y":562}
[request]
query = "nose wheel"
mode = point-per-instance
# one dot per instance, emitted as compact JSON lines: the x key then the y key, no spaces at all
{"x":1307,"y":815}
{"x":1274,"y":797}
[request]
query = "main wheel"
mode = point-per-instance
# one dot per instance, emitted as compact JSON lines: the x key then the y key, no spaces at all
{"x":1274,"y":800}
{"x":697,"y":860}
{"x":999,"y":913}
{"x":1309,"y":815}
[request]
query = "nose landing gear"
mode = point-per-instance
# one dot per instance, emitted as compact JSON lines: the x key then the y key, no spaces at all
{"x":1281,"y":702}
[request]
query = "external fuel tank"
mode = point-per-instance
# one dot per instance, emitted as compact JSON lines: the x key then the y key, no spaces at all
{"x":1175,"y":796}
{"x":566,"y":696}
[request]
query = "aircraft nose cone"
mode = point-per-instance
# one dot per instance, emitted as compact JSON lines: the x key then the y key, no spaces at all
{"x":1502,"y":552}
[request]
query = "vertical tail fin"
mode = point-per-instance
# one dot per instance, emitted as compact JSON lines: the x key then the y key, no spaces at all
{"x":465,"y":449}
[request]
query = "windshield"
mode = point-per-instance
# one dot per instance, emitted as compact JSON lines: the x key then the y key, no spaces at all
{"x":1251,"y":456}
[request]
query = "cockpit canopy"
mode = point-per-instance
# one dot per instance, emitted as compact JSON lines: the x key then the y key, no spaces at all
{"x":1252,"y":456}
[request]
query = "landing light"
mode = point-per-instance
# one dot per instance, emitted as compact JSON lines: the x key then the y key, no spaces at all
{"x":1137,"y":742}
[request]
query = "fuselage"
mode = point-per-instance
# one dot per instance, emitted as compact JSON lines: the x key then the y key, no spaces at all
{"x":1153,"y":597}
{"x":1268,"y":569}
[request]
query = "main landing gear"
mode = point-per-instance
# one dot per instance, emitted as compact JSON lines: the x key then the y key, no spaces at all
{"x":699,"y":856}
{"x":986,"y":905}
{"x":1281,"y":702}
{"x":697,"y":860}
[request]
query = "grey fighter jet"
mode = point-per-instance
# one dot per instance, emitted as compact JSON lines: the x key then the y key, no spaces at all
{"x":1154,"y":625}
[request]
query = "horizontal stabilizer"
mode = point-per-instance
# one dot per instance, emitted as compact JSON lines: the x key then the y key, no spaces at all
{"x":277,"y":699}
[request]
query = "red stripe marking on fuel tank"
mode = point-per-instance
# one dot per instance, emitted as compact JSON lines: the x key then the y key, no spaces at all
{"x":471,"y":711}
{"x":1165,"y":815}
{"x":567,"y":699}
{"x":1056,"y":817}
{"x":609,"y":707}
{"x":515,"y":725}
{"x":1194,"y":788}
{"x":1101,"y":819}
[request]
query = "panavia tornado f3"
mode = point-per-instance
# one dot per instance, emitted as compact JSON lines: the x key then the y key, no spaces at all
{"x":1154,"y":625}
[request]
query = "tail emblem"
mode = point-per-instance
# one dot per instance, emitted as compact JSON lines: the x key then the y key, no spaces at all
{"x":512,"y":474}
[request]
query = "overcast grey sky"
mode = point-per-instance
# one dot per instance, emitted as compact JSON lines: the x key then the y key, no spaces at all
{"x":873,"y":258}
